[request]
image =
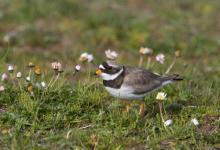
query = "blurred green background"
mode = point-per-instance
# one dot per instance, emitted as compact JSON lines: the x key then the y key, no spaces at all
{"x":65,"y":28}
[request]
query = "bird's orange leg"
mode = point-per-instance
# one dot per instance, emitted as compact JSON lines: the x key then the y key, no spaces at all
{"x":142,"y":109}
{"x":127,"y":106}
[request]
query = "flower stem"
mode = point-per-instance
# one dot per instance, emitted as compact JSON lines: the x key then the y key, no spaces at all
{"x":140,"y":61}
{"x":161,"y":113}
{"x":171,"y":66}
{"x":30,"y":71}
{"x":148,"y":62}
{"x":57,"y":77}
{"x":50,"y":81}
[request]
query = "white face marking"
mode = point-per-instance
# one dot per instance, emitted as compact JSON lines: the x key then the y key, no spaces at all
{"x":101,"y":67}
{"x":108,"y":77}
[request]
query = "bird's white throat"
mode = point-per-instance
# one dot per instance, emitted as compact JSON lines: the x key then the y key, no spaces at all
{"x":108,"y":77}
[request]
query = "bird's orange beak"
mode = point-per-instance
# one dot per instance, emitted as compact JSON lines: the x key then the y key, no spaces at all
{"x":98,"y":72}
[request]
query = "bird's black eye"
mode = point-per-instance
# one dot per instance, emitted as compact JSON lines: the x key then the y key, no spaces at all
{"x":109,"y":68}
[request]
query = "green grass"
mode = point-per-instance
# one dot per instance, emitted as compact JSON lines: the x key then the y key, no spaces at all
{"x":67,"y":115}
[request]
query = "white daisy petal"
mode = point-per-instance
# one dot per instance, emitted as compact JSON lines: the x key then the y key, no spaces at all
{"x":4,"y":76}
{"x":90,"y":58}
{"x":83,"y":57}
{"x":195,"y":121}
{"x":18,"y":75}
{"x":160,"y":58}
{"x":10,"y":68}
{"x":77,"y":67}
{"x":43,"y":84}
{"x":28,"y":78}
{"x":111,"y":54}
{"x":2,"y":88}
{"x":161,"y":96}
{"x":168,"y":122}
{"x":145,"y":50}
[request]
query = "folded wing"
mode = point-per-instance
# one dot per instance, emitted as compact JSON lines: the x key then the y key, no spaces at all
{"x":141,"y":80}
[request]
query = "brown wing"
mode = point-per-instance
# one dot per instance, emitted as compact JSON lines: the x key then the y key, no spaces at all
{"x":141,"y":80}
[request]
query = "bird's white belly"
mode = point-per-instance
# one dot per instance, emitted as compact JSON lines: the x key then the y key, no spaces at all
{"x":125,"y":92}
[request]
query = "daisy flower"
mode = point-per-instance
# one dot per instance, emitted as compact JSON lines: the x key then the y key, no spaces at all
{"x":56,"y":66}
{"x":161,"y":96}
{"x":168,"y":122}
{"x":177,"y":53}
{"x":18,"y":75}
{"x":4,"y":77}
{"x":111,"y":54}
{"x":43,"y":84}
{"x":90,"y":58}
{"x":160,"y":58}
{"x":195,"y":121}
{"x":2,"y":88}
{"x":28,"y":78}
{"x":37,"y":71}
{"x":30,"y":88}
{"x":86,"y":57}
{"x":31,"y":65}
{"x":145,"y":51}
{"x":83,"y":57}
{"x":77,"y":67}
{"x":11,"y":68}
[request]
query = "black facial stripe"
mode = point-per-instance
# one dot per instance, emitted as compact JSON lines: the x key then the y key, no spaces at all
{"x":111,"y":71}
{"x":116,"y":83}
{"x":105,"y":65}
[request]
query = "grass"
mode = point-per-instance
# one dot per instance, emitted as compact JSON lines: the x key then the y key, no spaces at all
{"x":77,"y":112}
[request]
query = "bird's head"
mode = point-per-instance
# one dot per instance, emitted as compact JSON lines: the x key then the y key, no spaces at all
{"x":109,"y":70}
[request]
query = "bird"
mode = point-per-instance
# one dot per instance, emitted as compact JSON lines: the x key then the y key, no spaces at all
{"x":131,"y":83}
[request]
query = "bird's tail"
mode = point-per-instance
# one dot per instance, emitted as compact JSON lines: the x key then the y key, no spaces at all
{"x":174,"y":77}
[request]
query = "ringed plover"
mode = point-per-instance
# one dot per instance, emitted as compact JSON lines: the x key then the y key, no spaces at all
{"x":131,"y":83}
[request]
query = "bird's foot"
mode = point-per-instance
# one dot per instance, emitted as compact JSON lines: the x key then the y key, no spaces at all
{"x":127,"y":107}
{"x":142,"y":109}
